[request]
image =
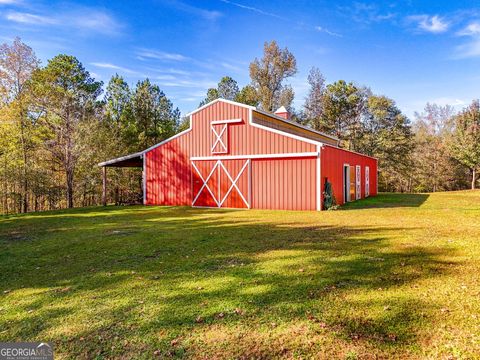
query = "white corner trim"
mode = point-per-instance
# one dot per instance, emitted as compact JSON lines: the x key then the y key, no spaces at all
{"x":256,"y":156}
{"x":144,"y":180}
{"x":319,"y":179}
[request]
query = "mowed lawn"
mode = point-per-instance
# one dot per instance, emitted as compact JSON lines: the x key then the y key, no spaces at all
{"x":397,"y":276}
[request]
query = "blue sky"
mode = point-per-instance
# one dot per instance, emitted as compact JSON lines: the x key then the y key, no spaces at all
{"x":411,"y":51}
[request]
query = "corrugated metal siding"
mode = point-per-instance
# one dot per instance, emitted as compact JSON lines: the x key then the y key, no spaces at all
{"x":333,"y":160}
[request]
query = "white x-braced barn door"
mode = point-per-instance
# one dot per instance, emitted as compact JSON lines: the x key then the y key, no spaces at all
{"x":221,"y":183}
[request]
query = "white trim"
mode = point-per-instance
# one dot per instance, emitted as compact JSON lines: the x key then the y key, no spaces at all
{"x":276,"y":117}
{"x":232,"y":121}
{"x":169,"y":139}
{"x":214,"y":207}
{"x":358,"y":182}
{"x":280,"y":132}
{"x":219,"y":139}
{"x":367,"y":181}
{"x":346,"y":190}
{"x":256,"y":156}
{"x":233,"y":185}
{"x":144,"y":180}
{"x":249,"y":183}
{"x":205,"y":183}
{"x":319,"y":179}
{"x":220,"y":100}
{"x":350,"y":151}
{"x":121,"y":158}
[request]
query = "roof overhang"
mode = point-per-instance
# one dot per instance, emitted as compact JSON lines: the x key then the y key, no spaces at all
{"x":132,"y":160}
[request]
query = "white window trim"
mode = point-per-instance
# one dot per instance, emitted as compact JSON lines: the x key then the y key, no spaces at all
{"x":219,"y":139}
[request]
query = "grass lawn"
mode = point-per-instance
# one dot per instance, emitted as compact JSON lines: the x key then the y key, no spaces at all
{"x":396,"y":276}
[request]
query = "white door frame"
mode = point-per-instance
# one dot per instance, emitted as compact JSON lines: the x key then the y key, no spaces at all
{"x":367,"y":181}
{"x":346,"y":181}
{"x":358,"y":182}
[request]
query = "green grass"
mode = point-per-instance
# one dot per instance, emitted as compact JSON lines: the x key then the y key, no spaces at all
{"x":396,"y":276}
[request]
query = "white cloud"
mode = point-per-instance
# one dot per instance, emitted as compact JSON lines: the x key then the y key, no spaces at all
{"x":472,"y":29}
{"x":110,"y":66}
{"x":468,"y":50}
{"x":9,"y":2}
{"x":277,"y":16}
{"x":326,"y":31}
{"x":201,"y":84}
{"x":232,"y":67}
{"x":80,"y":18}
{"x":96,"y":21}
{"x":32,"y":19}
{"x":210,"y":15}
{"x":254,"y":9}
{"x":159,"y":55}
{"x":120,"y":69}
{"x":443,"y":101}
{"x":366,"y":13}
{"x":432,"y":24}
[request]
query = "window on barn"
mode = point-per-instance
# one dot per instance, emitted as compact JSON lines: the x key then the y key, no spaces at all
{"x":220,"y":138}
{"x":220,"y":134}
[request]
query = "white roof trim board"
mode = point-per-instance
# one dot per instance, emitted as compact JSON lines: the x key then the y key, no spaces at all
{"x":122,"y":158}
{"x":222,"y":100}
{"x":276,"y":117}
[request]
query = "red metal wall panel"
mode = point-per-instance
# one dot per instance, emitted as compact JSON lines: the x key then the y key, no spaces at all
{"x":332,"y":161}
{"x":284,"y":184}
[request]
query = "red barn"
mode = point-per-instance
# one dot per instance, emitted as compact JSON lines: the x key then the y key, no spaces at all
{"x":236,"y":156}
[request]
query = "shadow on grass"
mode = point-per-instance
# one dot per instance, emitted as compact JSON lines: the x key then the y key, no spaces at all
{"x":387,"y":200}
{"x":150,"y":270}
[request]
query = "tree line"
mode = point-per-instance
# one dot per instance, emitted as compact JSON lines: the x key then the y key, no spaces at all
{"x":57,"y":122}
